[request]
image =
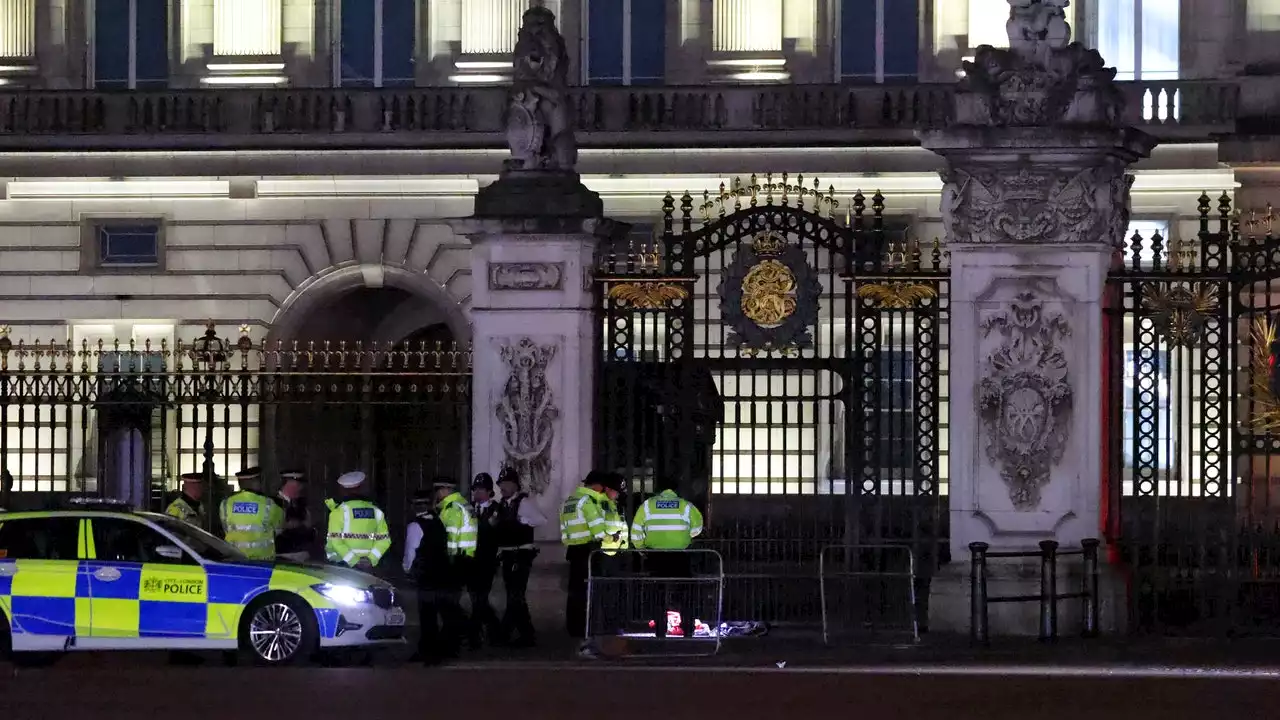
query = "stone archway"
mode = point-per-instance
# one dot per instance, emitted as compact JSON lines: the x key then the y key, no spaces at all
{"x":418,"y":295}
{"x":389,"y":427}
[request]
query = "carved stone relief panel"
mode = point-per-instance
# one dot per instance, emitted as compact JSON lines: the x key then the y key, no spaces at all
{"x":526,"y":411}
{"x":1024,"y":396}
{"x":1029,"y":204}
{"x":526,"y":276}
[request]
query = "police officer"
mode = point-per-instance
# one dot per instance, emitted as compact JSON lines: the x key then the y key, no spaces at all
{"x":358,"y":534}
{"x":427,"y":562}
{"x":459,"y":522}
{"x":6,"y":487}
{"x":583,"y":530}
{"x":294,"y":542}
{"x":667,"y":524}
{"x":484,"y":565}
{"x":250,"y":519}
{"x":514,"y":521}
{"x":186,"y":505}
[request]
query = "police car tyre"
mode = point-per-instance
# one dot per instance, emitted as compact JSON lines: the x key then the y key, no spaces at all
{"x":279,"y":629}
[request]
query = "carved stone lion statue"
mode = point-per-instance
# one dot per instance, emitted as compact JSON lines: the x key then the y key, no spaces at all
{"x":539,"y":128}
{"x":1041,"y":79}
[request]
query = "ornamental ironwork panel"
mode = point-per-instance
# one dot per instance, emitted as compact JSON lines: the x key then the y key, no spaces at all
{"x":125,"y":420}
{"x":1192,"y":427}
{"x":776,"y":351}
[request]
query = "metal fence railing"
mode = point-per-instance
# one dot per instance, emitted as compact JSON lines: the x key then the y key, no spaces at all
{"x":658,"y":603}
{"x":868,"y":591}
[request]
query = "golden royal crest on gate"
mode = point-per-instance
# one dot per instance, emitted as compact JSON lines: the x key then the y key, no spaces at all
{"x":769,"y":289}
{"x":769,"y":295}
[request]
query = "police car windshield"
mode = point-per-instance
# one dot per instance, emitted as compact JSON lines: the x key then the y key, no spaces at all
{"x":205,"y":545}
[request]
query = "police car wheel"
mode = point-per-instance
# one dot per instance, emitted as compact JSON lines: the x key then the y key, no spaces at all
{"x":279,"y":629}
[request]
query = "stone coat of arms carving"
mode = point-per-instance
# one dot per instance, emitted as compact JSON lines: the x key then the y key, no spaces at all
{"x":527,"y":412}
{"x":1036,"y":205}
{"x":1024,"y":398}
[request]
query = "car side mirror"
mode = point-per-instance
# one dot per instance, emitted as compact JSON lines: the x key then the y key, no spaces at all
{"x":169,"y":552}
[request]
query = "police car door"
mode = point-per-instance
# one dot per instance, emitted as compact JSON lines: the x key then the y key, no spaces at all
{"x":143,"y":586}
{"x":38,"y":588}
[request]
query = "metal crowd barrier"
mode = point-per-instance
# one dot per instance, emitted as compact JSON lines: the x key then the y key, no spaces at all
{"x":629,"y":592}
{"x":868,"y":590}
{"x":1049,"y":597}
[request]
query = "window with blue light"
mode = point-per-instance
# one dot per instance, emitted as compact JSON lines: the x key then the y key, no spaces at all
{"x":128,"y":245}
{"x":130,"y":44}
{"x":879,"y":41}
{"x":378,"y":43}
{"x":626,"y":42}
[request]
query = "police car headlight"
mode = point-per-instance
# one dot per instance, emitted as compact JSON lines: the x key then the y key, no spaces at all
{"x":343,"y":594}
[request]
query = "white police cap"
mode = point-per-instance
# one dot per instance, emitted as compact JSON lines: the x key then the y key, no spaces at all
{"x":351,"y":479}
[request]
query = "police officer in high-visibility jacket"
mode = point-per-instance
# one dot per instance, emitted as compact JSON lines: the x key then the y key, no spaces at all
{"x":584,"y":529}
{"x":459,"y":522}
{"x":358,"y":534}
{"x":186,"y":506}
{"x":250,"y":519}
{"x":667,"y":524}
{"x":617,"y":536}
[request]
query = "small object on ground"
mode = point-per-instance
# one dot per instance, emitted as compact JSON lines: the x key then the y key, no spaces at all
{"x":613,"y":647}
{"x":782,"y":665}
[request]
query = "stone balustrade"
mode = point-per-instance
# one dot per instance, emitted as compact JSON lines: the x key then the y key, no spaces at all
{"x":471,"y":117}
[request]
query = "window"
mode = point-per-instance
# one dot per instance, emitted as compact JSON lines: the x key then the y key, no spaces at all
{"x":1263,"y":15}
{"x":130,"y":44}
{"x":626,"y":42}
{"x":897,"y":409}
{"x":1147,"y":230}
{"x":377,"y":43}
{"x":127,"y":244}
{"x":116,"y":540}
{"x":52,"y":538}
{"x":1139,"y":38}
{"x":206,"y":545}
{"x":961,"y":26}
{"x":878,"y":39}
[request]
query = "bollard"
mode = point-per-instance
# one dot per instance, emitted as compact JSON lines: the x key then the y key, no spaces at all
{"x":1090,"y":590}
{"x":978,"y":628}
{"x":1048,"y":590}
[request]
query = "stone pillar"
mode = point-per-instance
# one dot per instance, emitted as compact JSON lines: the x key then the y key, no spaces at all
{"x":1036,"y":199}
{"x":533,"y":238}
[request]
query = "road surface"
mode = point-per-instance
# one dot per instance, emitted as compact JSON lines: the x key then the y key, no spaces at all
{"x":119,"y":689}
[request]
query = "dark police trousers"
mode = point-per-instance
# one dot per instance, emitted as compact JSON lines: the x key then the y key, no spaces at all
{"x":575,"y":610}
{"x":517,"y":624}
{"x":666,"y":596}
{"x":441,"y":619}
{"x":480,"y":571}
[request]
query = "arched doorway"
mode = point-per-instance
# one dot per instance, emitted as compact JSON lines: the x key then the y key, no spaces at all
{"x":379,"y":384}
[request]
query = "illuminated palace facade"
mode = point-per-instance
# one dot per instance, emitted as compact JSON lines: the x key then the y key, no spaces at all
{"x":285,"y":170}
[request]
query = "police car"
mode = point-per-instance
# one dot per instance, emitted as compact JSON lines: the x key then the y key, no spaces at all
{"x":95,"y":578}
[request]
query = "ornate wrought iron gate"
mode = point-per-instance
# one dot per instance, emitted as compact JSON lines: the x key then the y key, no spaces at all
{"x":1194,"y":488}
{"x":124,"y":421}
{"x":778,"y":352}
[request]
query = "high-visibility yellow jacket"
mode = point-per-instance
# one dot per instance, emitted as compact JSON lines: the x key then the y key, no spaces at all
{"x":182,"y":509}
{"x":582,"y":517}
{"x":666,"y":522}
{"x":251,"y":522}
{"x":357,"y":530}
{"x":459,"y":525}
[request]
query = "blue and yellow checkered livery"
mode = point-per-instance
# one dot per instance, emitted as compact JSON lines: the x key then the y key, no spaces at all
{"x":101,"y":600}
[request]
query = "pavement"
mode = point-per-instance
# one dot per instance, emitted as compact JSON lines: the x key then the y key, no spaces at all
{"x":617,"y":692}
